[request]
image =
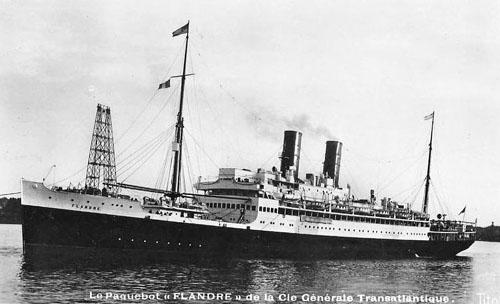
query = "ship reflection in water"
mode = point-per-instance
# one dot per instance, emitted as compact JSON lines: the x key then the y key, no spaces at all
{"x":460,"y":279}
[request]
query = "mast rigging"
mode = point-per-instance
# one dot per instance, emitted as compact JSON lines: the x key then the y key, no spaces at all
{"x":179,"y":127}
{"x":428,"y":176}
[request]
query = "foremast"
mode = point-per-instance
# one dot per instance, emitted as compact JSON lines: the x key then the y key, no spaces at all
{"x":179,"y":127}
{"x":428,"y":176}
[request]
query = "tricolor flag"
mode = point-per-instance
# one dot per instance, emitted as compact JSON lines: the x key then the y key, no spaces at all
{"x":182,"y":30}
{"x":430,"y":116}
{"x":164,"y":85}
{"x":463,"y":211}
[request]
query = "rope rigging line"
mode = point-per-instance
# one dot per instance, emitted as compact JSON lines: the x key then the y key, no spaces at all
{"x":384,"y":186}
{"x":161,"y":175}
{"x":170,"y":168}
{"x":412,"y":188}
{"x":443,"y":206}
{"x":144,"y":161}
{"x":73,"y":175}
{"x":188,"y":168}
{"x":152,"y":121}
{"x":216,"y":113}
{"x":413,"y":195}
{"x":140,"y":152}
{"x":203,"y":150}
{"x":144,"y":156}
{"x":151,"y":98}
{"x":162,"y":134}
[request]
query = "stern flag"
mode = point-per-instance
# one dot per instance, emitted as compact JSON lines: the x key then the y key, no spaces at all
{"x":430,"y":116}
{"x":164,"y":85}
{"x":463,"y":210}
{"x":182,"y":30}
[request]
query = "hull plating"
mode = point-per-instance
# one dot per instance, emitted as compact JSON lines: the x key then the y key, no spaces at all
{"x":60,"y":230}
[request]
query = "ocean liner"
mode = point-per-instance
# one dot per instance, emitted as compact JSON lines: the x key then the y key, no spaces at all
{"x":241,"y":213}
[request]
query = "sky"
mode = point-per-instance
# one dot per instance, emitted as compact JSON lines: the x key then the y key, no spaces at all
{"x":363,"y":72}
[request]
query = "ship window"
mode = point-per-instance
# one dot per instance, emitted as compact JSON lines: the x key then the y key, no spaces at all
{"x":308,"y":213}
{"x":223,"y":205}
{"x":248,"y":207}
{"x":349,"y":218}
{"x":253,"y":208}
{"x":288,"y":212}
{"x":282,"y":211}
{"x":260,"y":208}
{"x":232,"y":206}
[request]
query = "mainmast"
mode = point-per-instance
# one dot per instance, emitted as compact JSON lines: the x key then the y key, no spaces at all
{"x":179,"y":127}
{"x":428,"y":176}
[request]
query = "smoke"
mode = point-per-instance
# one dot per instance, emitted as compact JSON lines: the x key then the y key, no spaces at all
{"x":270,"y":124}
{"x":303,"y":123}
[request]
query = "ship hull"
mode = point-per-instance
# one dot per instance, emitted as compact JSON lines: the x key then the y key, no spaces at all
{"x":51,"y":230}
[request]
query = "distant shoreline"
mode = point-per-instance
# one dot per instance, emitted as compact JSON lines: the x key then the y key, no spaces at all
{"x":10,"y":213}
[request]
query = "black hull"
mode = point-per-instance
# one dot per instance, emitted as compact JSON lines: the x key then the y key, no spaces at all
{"x":47,"y":230}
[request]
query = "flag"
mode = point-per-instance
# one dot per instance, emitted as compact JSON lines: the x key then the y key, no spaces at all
{"x":430,"y":116}
{"x":182,"y":30}
{"x":463,"y":211}
{"x":164,"y":85}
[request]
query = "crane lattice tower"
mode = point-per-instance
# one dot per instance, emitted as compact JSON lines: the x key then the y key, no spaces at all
{"x":101,"y":168}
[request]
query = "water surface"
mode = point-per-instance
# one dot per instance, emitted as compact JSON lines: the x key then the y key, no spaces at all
{"x":469,"y":278}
